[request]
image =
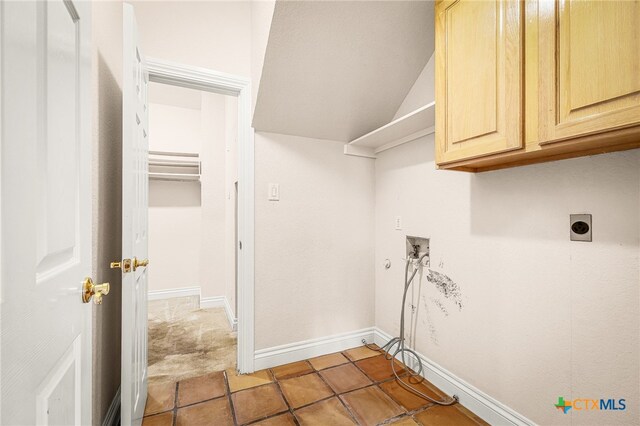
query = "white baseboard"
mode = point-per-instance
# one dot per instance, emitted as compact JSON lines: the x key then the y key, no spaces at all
{"x":220,"y":302}
{"x":112,"y":417}
{"x":472,"y":398}
{"x":174,"y":292}
{"x":206,"y":302}
{"x":486,"y":407}
{"x":284,"y":354}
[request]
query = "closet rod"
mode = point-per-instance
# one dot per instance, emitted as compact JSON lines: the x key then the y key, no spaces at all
{"x":174,"y":154}
{"x":174,"y":163}
{"x":183,"y":177}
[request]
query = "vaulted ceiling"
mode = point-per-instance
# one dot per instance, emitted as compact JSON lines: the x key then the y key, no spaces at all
{"x":339,"y":69}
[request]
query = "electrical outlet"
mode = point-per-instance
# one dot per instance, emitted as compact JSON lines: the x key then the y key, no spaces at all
{"x":398,"y":223}
{"x":580,"y":227}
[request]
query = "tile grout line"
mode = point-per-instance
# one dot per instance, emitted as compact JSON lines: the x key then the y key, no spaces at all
{"x":406,"y":374}
{"x":291,"y":409}
{"x":340,"y":393}
{"x":314,"y":371}
{"x":284,"y":398}
{"x":335,"y":393}
{"x":251,"y":387}
{"x":227,"y":388}
{"x":274,"y":381}
{"x":377,"y":383}
{"x":200,"y":402}
{"x":344,"y":404}
{"x":175,"y":405}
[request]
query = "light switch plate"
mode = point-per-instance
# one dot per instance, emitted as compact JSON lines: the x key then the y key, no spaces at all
{"x":274,"y":192}
{"x":398,"y":223}
{"x":580,"y":227}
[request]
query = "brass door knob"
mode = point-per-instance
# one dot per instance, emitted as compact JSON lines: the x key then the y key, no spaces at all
{"x":89,"y":290}
{"x":137,"y":263}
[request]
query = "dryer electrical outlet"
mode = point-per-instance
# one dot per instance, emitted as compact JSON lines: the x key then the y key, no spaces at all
{"x":580,"y":227}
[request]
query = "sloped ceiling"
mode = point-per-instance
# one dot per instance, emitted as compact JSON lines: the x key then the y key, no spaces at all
{"x":339,"y":69}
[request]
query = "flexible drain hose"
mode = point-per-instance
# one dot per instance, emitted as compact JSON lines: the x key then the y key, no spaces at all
{"x":402,"y":349}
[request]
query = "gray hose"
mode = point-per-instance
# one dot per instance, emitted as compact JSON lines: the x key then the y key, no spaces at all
{"x":402,"y":349}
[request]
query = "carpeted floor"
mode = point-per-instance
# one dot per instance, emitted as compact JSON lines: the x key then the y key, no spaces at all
{"x":186,"y":341}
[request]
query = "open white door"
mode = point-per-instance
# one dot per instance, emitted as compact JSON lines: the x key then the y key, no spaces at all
{"x":45,"y":199}
{"x":135,"y":152}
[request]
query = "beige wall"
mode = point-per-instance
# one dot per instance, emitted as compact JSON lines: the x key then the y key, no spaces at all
{"x":107,"y":212}
{"x":542,"y":316}
{"x":210,"y":34}
{"x":314,"y":247}
{"x":230,"y":197}
{"x":214,"y":219}
{"x":175,"y":213}
{"x":191,"y":224}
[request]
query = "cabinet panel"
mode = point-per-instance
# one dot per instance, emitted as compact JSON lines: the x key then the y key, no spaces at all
{"x":590,"y":67}
{"x":471,"y":96}
{"x":478,"y":78}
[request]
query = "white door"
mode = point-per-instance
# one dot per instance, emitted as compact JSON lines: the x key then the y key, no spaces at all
{"x":135,"y":152}
{"x":45,"y":175}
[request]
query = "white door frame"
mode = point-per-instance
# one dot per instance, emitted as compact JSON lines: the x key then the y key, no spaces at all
{"x":226,"y":84}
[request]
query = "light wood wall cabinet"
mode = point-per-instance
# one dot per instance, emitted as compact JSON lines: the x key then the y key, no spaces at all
{"x":479,"y":78}
{"x":520,"y":82}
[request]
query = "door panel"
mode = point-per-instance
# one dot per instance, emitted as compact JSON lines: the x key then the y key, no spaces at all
{"x":46,"y":212}
{"x":58,"y":399}
{"x":478,"y":78}
{"x":590,"y":69}
{"x":135,"y":154}
{"x":57,"y":149}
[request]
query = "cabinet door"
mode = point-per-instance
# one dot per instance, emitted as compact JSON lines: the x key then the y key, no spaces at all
{"x":478,"y":78}
{"x":589,"y":67}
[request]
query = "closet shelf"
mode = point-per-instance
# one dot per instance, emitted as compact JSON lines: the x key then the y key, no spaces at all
{"x":174,"y":166}
{"x":414,"y":125}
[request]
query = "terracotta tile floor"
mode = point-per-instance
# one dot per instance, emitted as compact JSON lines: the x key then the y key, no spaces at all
{"x":355,"y":387}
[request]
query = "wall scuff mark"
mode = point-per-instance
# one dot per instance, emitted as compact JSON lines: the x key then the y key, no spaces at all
{"x":440,"y":305}
{"x":446,"y":286}
{"x":427,"y":321}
